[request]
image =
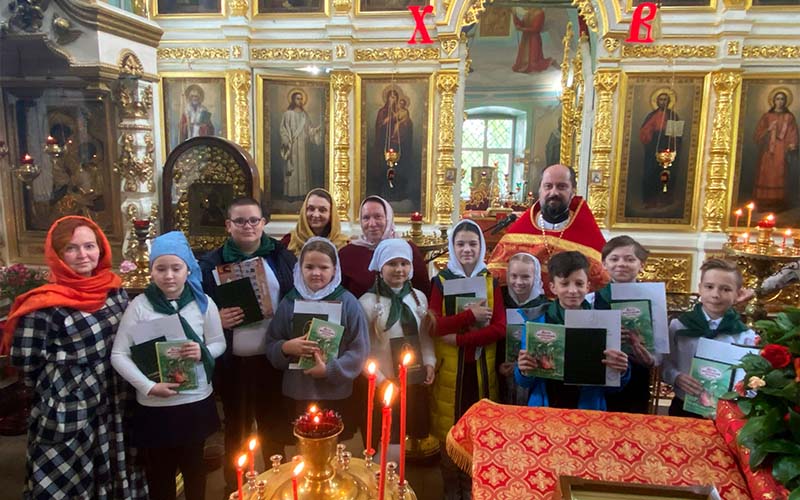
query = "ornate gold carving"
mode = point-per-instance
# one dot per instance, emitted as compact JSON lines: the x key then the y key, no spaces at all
{"x":140,"y":7}
{"x":645,"y":51}
{"x":611,"y":44}
{"x":567,"y":102}
{"x":238,"y":8}
{"x":342,"y":6}
{"x":181,"y":53}
{"x":397,"y":54}
{"x":133,"y":170}
{"x":733,"y":48}
{"x":341,"y":51}
{"x":605,"y":83}
{"x":474,"y":12}
{"x":586,"y":11}
{"x":734,"y":4}
{"x":675,"y":270}
{"x":240,"y":85}
{"x":132,"y":100}
{"x":291,"y":54}
{"x":130,"y":64}
{"x":448,"y":44}
{"x":446,"y":84}
{"x":236,"y":50}
{"x":129,"y":253}
{"x":341,"y":85}
{"x":771,"y":51}
{"x":722,"y":143}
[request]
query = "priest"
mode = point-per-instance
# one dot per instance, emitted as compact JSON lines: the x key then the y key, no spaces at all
{"x":557,"y":222}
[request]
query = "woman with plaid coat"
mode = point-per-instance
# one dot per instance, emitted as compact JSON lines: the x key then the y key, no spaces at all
{"x":62,"y":337}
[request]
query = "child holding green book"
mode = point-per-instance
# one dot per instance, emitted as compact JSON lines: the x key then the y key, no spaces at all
{"x":569,"y":281}
{"x":175,"y":415}
{"x":328,"y":382}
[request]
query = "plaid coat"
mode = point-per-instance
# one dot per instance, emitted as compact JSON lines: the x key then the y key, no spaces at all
{"x":76,"y":440}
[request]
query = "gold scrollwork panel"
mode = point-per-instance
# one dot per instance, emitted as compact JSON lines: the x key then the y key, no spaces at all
{"x":771,"y":51}
{"x":643,"y":51}
{"x":397,"y":54}
{"x":675,"y":270}
{"x":240,"y":85}
{"x":341,"y":86}
{"x":282,"y":54}
{"x":181,"y":53}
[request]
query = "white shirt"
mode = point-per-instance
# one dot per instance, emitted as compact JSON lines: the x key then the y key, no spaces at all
{"x":251,"y":340}
{"x":208,"y":327}
{"x":682,"y":349}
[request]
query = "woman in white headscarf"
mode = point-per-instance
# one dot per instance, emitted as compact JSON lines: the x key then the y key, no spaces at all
{"x":377,"y":224}
{"x":398,"y":318}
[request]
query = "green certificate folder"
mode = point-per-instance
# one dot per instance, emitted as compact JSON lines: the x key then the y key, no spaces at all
{"x":328,"y":336}
{"x":173,"y":368}
{"x":715,"y":377}
{"x":546,"y":344}
{"x":636,"y":317}
{"x":239,"y":293}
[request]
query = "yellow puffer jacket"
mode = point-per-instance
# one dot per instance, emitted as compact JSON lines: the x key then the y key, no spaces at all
{"x":449,"y":378}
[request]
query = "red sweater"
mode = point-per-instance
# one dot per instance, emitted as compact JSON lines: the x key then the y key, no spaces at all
{"x":459,"y":323}
{"x":357,"y":279}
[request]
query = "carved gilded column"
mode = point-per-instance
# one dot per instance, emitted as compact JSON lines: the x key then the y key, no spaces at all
{"x":567,"y":103}
{"x":341,"y":85}
{"x":446,"y":84}
{"x":720,"y":166}
{"x":240,"y":87}
{"x":600,"y":167}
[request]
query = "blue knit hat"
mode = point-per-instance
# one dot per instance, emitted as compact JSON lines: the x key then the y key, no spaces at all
{"x":174,"y":243}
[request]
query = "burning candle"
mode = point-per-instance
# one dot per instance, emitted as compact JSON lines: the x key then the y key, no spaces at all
{"x":26,"y":159}
{"x":746,"y":237}
{"x":403,"y":387}
{"x":239,"y":467}
{"x":370,"y":398}
{"x":416,"y":217}
{"x":386,"y":431}
{"x":786,"y":234}
{"x":737,"y":213}
{"x":767,"y":222}
{"x":251,"y":446}
{"x":750,"y":206}
{"x":50,"y":140}
{"x":296,"y":472}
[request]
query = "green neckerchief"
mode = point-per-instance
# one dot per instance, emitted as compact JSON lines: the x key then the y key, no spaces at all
{"x":535,"y":302}
{"x":697,"y":325}
{"x":399,"y":310}
{"x":232,"y":253}
{"x":162,"y":305}
{"x":554,"y":314}
{"x":602,"y":298}
{"x":334,"y":295}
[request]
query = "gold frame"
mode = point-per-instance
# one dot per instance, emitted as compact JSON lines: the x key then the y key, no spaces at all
{"x":256,"y":14}
{"x":738,"y":132}
{"x":27,"y":246}
{"x":618,"y":198}
{"x":712,"y":7}
{"x":427,"y":184}
{"x":261,"y":146}
{"x":154,"y":14}
{"x":229,"y":104}
{"x":387,"y":13}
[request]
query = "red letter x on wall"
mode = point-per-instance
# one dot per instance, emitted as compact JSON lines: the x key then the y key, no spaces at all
{"x":639,"y":19}
{"x":420,"y":27}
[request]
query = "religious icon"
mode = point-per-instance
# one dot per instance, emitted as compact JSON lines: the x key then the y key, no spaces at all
{"x":289,"y":6}
{"x":193,"y":107}
{"x":188,"y":7}
{"x":530,"y":57}
{"x":388,"y":5}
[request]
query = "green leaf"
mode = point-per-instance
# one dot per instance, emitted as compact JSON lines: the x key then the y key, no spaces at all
{"x":760,"y":428}
{"x":755,"y":365}
{"x":782,"y":446}
{"x":795,"y":494}
{"x":730,"y":395}
{"x":778,"y":379}
{"x":745,"y":405}
{"x":757,"y":456}
{"x":786,"y":468}
{"x":794,"y":424}
{"x":783,"y":321}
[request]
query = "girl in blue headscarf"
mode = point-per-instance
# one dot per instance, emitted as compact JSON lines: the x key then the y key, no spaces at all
{"x":172,"y":419}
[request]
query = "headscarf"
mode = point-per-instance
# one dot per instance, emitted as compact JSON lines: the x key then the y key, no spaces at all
{"x":330,"y":291}
{"x":538,"y":286}
{"x":174,"y":243}
{"x":453,"y":264}
{"x":302,"y":232}
{"x":388,"y":232}
{"x":387,"y":250}
{"x":66,"y":288}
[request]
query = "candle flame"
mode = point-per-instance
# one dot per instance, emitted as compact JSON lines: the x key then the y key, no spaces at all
{"x":771,"y":217}
{"x":312,"y":409}
{"x":242,"y":460}
{"x":316,"y":419}
{"x":298,"y":469}
{"x":407,"y":358}
{"x":750,"y":206}
{"x":738,"y":212}
{"x":252,"y":444}
{"x":788,"y":232}
{"x":371,"y":368}
{"x":387,"y":395}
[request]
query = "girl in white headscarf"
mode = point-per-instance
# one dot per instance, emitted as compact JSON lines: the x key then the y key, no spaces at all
{"x":329,"y":383}
{"x":396,"y":313}
{"x":465,"y":343}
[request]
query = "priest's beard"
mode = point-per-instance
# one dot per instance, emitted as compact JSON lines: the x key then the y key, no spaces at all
{"x":554,"y":210}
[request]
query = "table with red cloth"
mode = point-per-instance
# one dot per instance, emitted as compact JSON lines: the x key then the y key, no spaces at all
{"x":518,"y":452}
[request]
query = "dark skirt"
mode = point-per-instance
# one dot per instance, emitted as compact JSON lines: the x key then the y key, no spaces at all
{"x":174,"y":426}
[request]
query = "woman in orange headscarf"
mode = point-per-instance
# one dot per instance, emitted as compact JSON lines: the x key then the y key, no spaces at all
{"x":318,"y":217}
{"x":61,"y":335}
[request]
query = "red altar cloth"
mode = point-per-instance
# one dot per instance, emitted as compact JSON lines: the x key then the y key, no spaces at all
{"x":517,"y":452}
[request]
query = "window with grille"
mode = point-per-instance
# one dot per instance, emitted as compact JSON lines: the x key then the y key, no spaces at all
{"x":487,"y":141}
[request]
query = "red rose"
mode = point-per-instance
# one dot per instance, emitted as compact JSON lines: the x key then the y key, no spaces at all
{"x":777,"y":355}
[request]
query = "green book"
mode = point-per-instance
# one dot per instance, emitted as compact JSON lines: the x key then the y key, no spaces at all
{"x":636,"y":317}
{"x":546,"y":344}
{"x":463,"y":303}
{"x":715,"y":377}
{"x":328,"y":336}
{"x":173,"y":368}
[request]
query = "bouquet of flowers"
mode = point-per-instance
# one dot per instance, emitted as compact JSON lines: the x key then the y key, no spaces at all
{"x":18,"y":279}
{"x":769,"y":397}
